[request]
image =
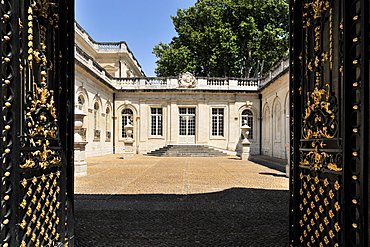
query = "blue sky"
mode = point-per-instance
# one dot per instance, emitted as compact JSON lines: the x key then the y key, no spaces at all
{"x":141,"y":23}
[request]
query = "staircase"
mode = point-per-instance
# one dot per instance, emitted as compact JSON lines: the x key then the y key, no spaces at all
{"x":186,"y":151}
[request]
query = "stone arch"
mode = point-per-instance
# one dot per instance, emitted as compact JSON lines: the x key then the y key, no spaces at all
{"x":81,"y":94}
{"x":96,"y":115}
{"x":277,"y":120}
{"x":266,"y":121}
{"x":251,"y":119}
{"x":108,"y":119}
{"x":97,"y":99}
{"x":122,"y":119}
{"x":266,"y":129}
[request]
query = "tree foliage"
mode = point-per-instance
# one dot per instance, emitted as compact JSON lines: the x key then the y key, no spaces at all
{"x":226,"y":38}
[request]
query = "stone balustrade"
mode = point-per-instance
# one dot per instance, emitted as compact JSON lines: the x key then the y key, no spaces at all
{"x":275,"y":71}
{"x":203,"y":83}
{"x":172,"y":83}
{"x":105,"y":47}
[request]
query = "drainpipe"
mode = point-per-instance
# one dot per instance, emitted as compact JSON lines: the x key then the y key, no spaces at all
{"x":114,"y":123}
{"x":260,"y":98}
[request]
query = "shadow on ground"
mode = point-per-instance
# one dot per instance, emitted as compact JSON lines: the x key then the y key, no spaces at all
{"x":233,"y":217}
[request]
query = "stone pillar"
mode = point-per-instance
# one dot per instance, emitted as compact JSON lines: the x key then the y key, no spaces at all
{"x":129,"y":151}
{"x":80,"y":164}
{"x":246,"y":145}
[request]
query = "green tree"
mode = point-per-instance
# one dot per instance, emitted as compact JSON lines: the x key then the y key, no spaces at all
{"x":226,"y":38}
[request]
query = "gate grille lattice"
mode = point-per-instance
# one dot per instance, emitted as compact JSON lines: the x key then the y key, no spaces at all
{"x":329,"y":57}
{"x":37,"y":108}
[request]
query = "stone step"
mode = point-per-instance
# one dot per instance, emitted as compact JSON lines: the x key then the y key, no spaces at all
{"x":186,"y":151}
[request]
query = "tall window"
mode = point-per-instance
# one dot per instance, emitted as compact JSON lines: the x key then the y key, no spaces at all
{"x":247,"y":115}
{"x":107,"y":119}
{"x":127,"y":117}
{"x":80,"y":102}
{"x":107,"y":124}
{"x":277,"y":120}
{"x":96,"y":116}
{"x":156,"y":121}
{"x":217,"y":122}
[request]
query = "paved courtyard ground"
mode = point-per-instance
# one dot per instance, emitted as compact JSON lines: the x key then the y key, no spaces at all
{"x":180,"y":201}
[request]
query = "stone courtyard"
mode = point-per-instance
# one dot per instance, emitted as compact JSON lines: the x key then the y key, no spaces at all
{"x":187,"y":201}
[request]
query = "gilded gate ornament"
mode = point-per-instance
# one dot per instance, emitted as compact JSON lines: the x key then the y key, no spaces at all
{"x":37,"y":91}
{"x":326,"y":77}
{"x":41,"y":113}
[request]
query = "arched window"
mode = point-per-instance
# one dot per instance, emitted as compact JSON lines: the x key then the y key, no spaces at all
{"x":247,"y":115}
{"x":96,"y":116}
{"x":277,"y":116}
{"x":107,"y":124}
{"x":96,"y":121}
{"x":80,"y":102}
{"x":127,"y":117}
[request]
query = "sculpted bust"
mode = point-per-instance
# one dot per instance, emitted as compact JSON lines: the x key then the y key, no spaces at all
{"x":187,"y":80}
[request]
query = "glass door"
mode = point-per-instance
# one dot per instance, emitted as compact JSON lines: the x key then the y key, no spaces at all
{"x":186,"y":125}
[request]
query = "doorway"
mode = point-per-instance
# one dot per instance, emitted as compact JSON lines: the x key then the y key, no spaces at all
{"x":187,"y":125}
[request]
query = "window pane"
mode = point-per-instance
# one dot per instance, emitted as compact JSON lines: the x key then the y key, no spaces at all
{"x":247,"y":115}
{"x":218,"y":122}
{"x":159,"y":129}
{"x":156,"y":121}
{"x":182,"y":110}
{"x":127,"y":116}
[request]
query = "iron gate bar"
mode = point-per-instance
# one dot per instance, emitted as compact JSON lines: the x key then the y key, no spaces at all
{"x":356,"y":16}
{"x":329,"y":83}
{"x":37,"y":100}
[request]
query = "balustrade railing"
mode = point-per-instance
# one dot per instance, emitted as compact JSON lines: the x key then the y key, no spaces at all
{"x":82,"y":53}
{"x":248,"y":83}
{"x":156,"y":82}
{"x":202,"y":83}
{"x":97,"y":66}
{"x":109,"y":46}
{"x":217,"y":82}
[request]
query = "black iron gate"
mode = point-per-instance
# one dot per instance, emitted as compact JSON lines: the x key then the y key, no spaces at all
{"x":37,"y":72}
{"x":329,"y":122}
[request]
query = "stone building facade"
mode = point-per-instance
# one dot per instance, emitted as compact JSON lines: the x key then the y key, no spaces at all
{"x":112,"y":90}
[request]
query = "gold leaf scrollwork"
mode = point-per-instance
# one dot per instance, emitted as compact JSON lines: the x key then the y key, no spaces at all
{"x":318,"y":159}
{"x":318,"y":7}
{"x":318,"y":114}
{"x":41,"y":113}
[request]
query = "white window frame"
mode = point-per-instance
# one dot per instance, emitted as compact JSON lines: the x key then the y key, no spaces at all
{"x":216,"y":120}
{"x":157,"y":129}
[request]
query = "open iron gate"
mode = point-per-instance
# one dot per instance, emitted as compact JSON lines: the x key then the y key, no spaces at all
{"x":329,"y":85}
{"x":37,"y":72}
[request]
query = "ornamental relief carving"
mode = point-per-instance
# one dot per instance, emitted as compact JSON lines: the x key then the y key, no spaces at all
{"x":187,"y":80}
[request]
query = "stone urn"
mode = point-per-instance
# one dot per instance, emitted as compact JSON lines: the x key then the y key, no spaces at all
{"x":128,"y":152}
{"x":245,"y":132}
{"x":79,"y":145}
{"x":246,"y":144}
{"x":129,"y":129}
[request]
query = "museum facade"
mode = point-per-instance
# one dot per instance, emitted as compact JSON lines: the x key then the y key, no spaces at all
{"x":112,"y":91}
